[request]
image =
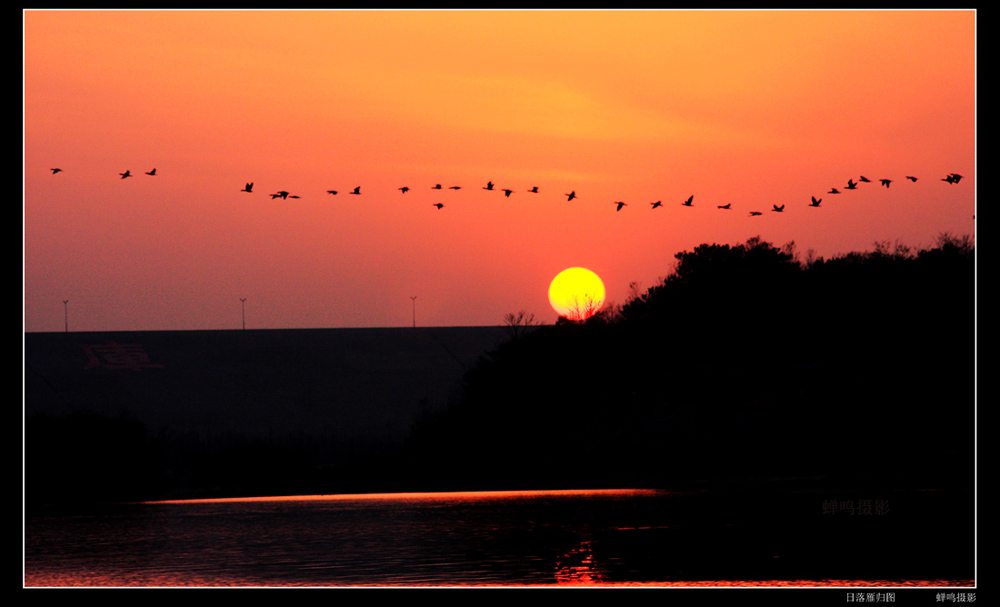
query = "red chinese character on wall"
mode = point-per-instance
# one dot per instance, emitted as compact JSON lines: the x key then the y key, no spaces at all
{"x":113,"y":355}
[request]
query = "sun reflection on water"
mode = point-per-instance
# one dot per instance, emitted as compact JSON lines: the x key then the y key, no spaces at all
{"x":579,"y":567}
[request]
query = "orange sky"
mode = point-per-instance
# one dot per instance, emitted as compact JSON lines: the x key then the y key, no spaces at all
{"x":749,"y":108}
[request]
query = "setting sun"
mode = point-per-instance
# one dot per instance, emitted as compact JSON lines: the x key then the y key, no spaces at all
{"x":576,"y":293}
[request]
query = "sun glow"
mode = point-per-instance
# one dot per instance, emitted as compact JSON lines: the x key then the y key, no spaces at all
{"x":576,"y":293}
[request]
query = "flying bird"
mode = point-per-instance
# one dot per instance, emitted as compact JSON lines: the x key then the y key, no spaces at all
{"x":885,"y":182}
{"x":911,"y":178}
{"x":620,"y":205}
{"x":657,"y":204}
{"x":293,"y":196}
{"x":725,"y":206}
{"x":438,"y":205}
{"x":778,"y":209}
{"x":334,"y":192}
{"x":125,"y":174}
{"x":488,"y":186}
{"x":571,"y":195}
{"x":534,"y":190}
{"x":864,"y":179}
{"x":437,"y":187}
{"x":851,"y":185}
{"x":454,"y":187}
{"x":687,"y":202}
{"x":356,"y":191}
{"x":815,"y":201}
{"x":54,"y":171}
{"x":833,"y":191}
{"x":953,"y":178}
{"x":507,"y":193}
{"x":755,"y":213}
{"x":282,"y":194}
{"x":153,"y":172}
{"x":248,"y":187}
{"x":404,"y":189}
{"x":278,"y":195}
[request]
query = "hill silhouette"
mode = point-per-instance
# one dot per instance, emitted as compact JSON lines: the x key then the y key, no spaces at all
{"x":742,"y":364}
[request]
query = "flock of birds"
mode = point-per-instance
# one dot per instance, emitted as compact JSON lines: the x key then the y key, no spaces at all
{"x":952,"y":178}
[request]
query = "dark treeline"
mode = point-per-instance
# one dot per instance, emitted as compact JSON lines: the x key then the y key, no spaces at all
{"x":744,"y":363}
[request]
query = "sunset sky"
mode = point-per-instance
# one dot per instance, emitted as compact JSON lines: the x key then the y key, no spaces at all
{"x":751,"y":109}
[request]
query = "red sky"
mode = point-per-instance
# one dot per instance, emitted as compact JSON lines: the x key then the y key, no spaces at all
{"x":748,"y":108}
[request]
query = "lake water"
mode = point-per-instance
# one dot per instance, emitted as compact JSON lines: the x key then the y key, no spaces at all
{"x":531,"y":538}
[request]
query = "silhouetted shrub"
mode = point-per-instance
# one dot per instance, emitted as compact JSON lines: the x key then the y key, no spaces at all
{"x":741,"y":363}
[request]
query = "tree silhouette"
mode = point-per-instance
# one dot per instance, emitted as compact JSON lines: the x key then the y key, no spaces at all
{"x":740,"y":363}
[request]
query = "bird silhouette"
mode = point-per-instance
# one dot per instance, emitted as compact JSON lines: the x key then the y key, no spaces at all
{"x":620,"y":205}
{"x":851,"y":185}
{"x":507,"y":193}
{"x":864,"y":179}
{"x":657,"y":204}
{"x":293,"y":196}
{"x":688,"y":202}
{"x":534,"y":190}
{"x":356,"y":191}
{"x":952,"y":178}
{"x":125,"y":174}
{"x":282,"y":194}
{"x":488,"y":186}
{"x":278,"y":195}
{"x":755,"y":213}
{"x":334,"y":192}
{"x":885,"y":182}
{"x":571,"y":195}
{"x":248,"y":187}
{"x":725,"y":206}
{"x":833,"y":191}
{"x":815,"y":201}
{"x":454,"y":187}
{"x":54,"y":171}
{"x":438,"y":205}
{"x":778,"y":209}
{"x":911,"y":178}
{"x":153,"y":173}
{"x":437,"y":187}
{"x":404,"y":189}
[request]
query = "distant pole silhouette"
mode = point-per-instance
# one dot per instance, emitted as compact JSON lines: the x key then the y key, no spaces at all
{"x":66,"y":314}
{"x":243,"y":305}
{"x":413,"y":298}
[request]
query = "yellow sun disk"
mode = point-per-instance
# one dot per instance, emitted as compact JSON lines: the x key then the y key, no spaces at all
{"x":576,"y":293}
